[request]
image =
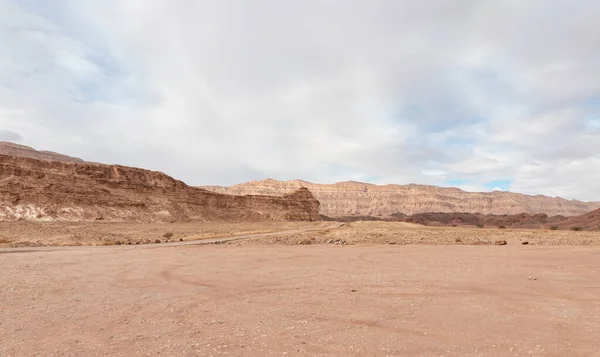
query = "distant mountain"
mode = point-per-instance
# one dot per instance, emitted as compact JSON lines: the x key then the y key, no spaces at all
{"x":12,"y":149}
{"x":364,"y":199}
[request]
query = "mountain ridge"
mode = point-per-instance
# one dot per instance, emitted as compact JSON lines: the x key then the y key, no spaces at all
{"x":13,"y":149}
{"x":366,"y":199}
{"x":52,"y":190}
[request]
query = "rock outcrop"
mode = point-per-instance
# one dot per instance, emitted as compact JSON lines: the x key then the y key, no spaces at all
{"x":12,"y":149}
{"x":363,"y":199}
{"x":35,"y":189}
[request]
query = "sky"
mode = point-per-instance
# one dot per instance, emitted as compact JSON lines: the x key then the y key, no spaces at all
{"x":480,"y":95}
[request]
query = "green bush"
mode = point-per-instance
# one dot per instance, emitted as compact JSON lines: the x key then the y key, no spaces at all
{"x":554,"y":228}
{"x":480,"y":225}
{"x":576,"y":229}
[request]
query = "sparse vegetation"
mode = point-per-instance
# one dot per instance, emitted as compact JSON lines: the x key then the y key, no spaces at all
{"x":4,"y":240}
{"x":576,"y":229}
{"x":554,"y":228}
{"x":502,"y":226}
{"x":168,"y":235}
{"x":480,"y":225}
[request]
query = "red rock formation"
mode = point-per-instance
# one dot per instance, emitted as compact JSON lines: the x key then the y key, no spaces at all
{"x":588,"y":221}
{"x":51,"y":190}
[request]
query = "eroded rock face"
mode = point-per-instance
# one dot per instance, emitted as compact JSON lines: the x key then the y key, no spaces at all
{"x":35,"y":189}
{"x":356,"y":198}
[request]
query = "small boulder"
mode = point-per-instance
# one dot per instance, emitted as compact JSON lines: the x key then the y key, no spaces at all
{"x":500,"y":242}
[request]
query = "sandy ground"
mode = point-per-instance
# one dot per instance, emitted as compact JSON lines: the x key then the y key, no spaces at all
{"x":316,"y":300}
{"x":35,"y":234}
{"x":410,"y":233}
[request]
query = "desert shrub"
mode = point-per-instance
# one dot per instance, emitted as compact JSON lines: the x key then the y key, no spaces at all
{"x":501,"y":226}
{"x":168,"y":235}
{"x":4,"y":240}
{"x":480,"y":225}
{"x":554,"y":228}
{"x":576,"y":229}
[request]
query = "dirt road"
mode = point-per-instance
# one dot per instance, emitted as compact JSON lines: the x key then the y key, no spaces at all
{"x":317,"y":300}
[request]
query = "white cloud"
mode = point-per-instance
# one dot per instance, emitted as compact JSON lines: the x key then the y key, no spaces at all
{"x":386,"y":91}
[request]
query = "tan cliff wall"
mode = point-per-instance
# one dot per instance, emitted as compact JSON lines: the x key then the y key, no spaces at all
{"x":356,"y":198}
{"x":52,"y":190}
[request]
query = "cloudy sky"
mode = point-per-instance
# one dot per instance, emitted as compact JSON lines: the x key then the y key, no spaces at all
{"x":482,"y":95}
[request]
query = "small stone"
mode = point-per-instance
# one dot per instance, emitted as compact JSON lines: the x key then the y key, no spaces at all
{"x":500,"y":242}
{"x":532,"y":278}
{"x":525,"y":242}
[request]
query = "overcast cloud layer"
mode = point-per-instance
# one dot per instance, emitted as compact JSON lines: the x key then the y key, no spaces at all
{"x":475,"y":94}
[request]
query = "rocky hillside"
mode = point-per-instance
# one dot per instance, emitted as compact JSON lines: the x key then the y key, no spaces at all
{"x":590,"y":220}
{"x":36,"y":189}
{"x":356,"y":198}
{"x":12,"y":149}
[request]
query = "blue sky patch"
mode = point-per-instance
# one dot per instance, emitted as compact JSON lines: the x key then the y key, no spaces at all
{"x":502,"y":184}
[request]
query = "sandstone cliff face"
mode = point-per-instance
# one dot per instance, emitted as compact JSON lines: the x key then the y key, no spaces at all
{"x":51,"y":190}
{"x":12,"y":149}
{"x":356,"y":198}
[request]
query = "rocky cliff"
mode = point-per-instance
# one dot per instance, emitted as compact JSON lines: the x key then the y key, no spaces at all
{"x":36,"y":189}
{"x":356,"y":198}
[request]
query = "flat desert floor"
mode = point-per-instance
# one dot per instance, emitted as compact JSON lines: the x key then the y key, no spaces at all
{"x":252,"y":299}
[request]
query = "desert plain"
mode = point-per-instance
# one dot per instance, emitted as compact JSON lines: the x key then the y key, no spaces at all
{"x":297,"y":289}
